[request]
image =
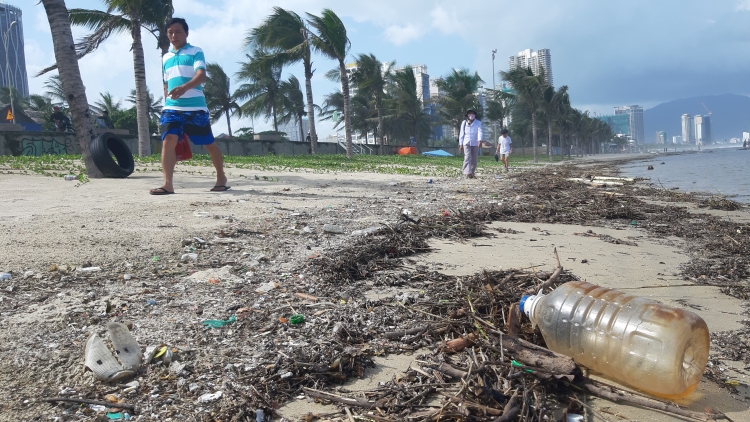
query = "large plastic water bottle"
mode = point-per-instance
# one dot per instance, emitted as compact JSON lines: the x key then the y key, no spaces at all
{"x":640,"y":342}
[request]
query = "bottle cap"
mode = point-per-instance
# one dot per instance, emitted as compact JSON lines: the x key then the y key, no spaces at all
{"x":528,"y":303}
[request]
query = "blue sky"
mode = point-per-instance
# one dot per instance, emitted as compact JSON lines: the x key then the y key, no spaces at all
{"x":609,"y":53}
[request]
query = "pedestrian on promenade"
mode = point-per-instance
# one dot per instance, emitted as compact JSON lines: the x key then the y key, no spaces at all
{"x":504,"y":147}
{"x":469,"y":138}
{"x":185,"y":110}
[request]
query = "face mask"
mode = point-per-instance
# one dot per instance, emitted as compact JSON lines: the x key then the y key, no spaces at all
{"x":472,"y":117}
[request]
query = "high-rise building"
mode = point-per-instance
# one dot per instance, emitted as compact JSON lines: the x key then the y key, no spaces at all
{"x":661,"y":137}
{"x":424,"y":84}
{"x":635,"y":115}
{"x":677,"y":140}
{"x":16,"y":65}
{"x":292,"y":129}
{"x":688,"y":129}
{"x":534,"y":60}
{"x":703,"y":130}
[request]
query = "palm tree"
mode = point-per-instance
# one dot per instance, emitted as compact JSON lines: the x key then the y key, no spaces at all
{"x":286,"y":31}
{"x":70,"y":77}
{"x":529,"y":89}
{"x":54,"y":90}
{"x":499,"y":106}
{"x":154,"y":104}
{"x":262,"y":71}
{"x":459,"y":93}
{"x":107,"y":102}
{"x":550,"y":105}
{"x":408,"y":107}
{"x":20,"y":101}
{"x":219,"y":97}
{"x":371,"y":78}
{"x":40,"y":103}
{"x":331,"y":41}
{"x":127,"y":16}
{"x":361,"y":112}
{"x":292,"y":104}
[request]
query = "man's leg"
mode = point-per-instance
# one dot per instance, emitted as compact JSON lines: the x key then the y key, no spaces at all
{"x":218,"y":161}
{"x":467,"y":160}
{"x":168,"y":160}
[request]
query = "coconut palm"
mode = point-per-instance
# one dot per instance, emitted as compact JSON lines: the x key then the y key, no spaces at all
{"x":54,"y":90}
{"x":126,"y":16}
{"x":39,"y":103}
{"x":20,"y":101}
{"x":286,"y":31}
{"x":529,"y":95}
{"x":407,"y":107}
{"x":458,"y":94}
{"x":155,"y":105}
{"x":330,"y":40}
{"x":70,"y":77}
{"x":550,"y":105}
{"x":371,"y":78}
{"x":292,"y":103}
{"x":219,"y":97}
{"x":262,"y":73}
{"x":107,"y":102}
{"x":361,"y":112}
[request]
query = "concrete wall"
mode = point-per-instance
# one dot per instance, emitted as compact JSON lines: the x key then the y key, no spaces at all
{"x":40,"y":143}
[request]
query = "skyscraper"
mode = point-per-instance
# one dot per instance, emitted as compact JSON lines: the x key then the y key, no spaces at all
{"x":688,"y":129}
{"x":16,"y":65}
{"x":423,"y":82}
{"x":703,"y":130}
{"x":661,"y":137}
{"x":534,"y":60}
{"x":636,"y":129}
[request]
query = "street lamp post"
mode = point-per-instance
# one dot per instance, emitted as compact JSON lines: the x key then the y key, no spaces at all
{"x":7,"y":70}
{"x":494,"y":124}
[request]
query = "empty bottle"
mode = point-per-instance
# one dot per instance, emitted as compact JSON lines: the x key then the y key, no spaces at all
{"x":640,"y":342}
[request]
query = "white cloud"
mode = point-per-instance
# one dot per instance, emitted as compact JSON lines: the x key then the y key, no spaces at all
{"x":445,"y":21}
{"x":402,"y":34}
{"x":743,"y":5}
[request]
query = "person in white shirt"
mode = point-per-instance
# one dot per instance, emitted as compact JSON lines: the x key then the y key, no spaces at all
{"x":469,"y":138}
{"x":504,"y":147}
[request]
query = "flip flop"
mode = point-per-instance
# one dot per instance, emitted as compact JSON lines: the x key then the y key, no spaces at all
{"x":160,"y":191}
{"x":222,"y":188}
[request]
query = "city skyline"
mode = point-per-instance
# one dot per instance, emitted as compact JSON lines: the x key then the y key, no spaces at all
{"x":534,"y":60}
{"x":16,"y":65}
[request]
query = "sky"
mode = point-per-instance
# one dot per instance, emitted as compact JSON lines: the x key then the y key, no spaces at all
{"x":608,"y":53}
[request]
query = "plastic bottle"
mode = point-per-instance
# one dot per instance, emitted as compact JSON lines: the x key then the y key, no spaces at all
{"x":640,"y":342}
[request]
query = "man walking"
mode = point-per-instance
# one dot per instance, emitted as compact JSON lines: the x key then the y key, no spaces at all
{"x":469,"y":138}
{"x":504,"y":147}
{"x":185,"y":111}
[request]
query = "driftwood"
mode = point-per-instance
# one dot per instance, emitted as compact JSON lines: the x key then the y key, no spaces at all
{"x":396,"y":335}
{"x":511,"y":410}
{"x":538,"y":356}
{"x":608,"y":393}
{"x":550,"y":281}
{"x":94,"y":402}
{"x":348,"y":401}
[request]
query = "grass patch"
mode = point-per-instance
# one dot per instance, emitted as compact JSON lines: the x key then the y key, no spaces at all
{"x":416,"y":165}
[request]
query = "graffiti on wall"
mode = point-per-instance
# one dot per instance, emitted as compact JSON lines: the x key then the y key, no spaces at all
{"x":36,"y":146}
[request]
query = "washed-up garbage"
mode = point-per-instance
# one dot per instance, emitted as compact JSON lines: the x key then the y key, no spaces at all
{"x":106,"y":366}
{"x":297,"y":319}
{"x":189,"y":257}
{"x":332,"y":228}
{"x":574,"y":417}
{"x":209,"y":397}
{"x":218,"y":323}
{"x":267,"y":287}
{"x":88,"y":269}
{"x":662,"y":350}
{"x":5,"y":276}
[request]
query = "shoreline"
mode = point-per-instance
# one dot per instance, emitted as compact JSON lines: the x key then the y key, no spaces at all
{"x":259,"y":226}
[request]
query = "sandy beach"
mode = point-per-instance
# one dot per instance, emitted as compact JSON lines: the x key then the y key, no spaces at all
{"x":273,"y":227}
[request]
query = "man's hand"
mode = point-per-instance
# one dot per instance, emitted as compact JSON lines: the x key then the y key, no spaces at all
{"x":460,"y":148}
{"x":177,"y":92}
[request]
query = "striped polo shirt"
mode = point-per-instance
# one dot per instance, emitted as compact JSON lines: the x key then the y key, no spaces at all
{"x":179,"y":67}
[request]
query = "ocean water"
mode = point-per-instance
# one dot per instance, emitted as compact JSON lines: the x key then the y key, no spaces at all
{"x":716,"y":171}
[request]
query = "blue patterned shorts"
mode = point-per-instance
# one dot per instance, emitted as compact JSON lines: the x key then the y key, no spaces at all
{"x":196,"y":124}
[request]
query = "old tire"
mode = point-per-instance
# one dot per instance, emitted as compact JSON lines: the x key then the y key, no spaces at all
{"x":112,"y":156}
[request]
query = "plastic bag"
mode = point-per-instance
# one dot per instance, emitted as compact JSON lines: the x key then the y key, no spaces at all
{"x":183,"y":149}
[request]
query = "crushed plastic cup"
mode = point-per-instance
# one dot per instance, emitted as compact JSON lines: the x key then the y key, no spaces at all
{"x":209,"y":397}
{"x":189,"y":257}
{"x":266,"y":287}
{"x":88,"y":269}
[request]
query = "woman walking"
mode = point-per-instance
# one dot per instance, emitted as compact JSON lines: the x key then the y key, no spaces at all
{"x":469,"y":139}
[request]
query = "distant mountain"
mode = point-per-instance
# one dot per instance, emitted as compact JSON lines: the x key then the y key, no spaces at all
{"x":730,"y":116}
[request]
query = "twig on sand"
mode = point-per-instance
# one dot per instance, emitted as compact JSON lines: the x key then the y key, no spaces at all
{"x":94,"y":402}
{"x":550,"y":281}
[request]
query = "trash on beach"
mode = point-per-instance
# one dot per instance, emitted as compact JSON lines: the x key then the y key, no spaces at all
{"x":189,"y":257}
{"x":106,"y":366}
{"x":332,"y":228}
{"x":88,"y":269}
{"x":678,"y":340}
{"x":366,"y":231}
{"x":209,"y":397}
{"x":267,"y":287}
{"x":202,"y":214}
{"x":151,"y":302}
{"x":5,"y":276}
{"x":297,"y":319}
{"x":650,"y":168}
{"x":218,"y":323}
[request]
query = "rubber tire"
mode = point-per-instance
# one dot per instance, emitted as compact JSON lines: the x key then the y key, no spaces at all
{"x":103,"y":147}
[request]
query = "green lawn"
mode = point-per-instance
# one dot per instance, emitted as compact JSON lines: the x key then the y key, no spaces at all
{"x":60,"y":165}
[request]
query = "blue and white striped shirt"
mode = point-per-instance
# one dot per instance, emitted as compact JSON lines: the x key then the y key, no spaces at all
{"x":178,"y":68}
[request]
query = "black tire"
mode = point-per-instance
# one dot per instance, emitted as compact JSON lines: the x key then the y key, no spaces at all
{"x":104,"y":147}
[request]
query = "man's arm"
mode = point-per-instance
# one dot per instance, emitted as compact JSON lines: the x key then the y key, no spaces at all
{"x":199,"y":78}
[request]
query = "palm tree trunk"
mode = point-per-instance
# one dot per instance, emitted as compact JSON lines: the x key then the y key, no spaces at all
{"x":301,"y":129}
{"x":533,"y":133}
{"x":70,"y":76}
{"x":549,"y":141}
{"x":229,"y":125}
{"x":141,"y":93}
{"x":347,"y":108}
{"x":275,"y":122}
{"x":310,"y":105}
